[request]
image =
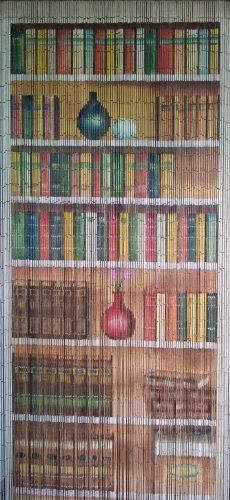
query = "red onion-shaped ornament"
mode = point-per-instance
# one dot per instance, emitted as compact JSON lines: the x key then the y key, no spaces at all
{"x":118,"y":322}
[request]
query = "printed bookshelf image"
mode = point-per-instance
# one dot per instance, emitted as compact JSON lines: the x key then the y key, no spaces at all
{"x":95,"y":50}
{"x":184,"y":441}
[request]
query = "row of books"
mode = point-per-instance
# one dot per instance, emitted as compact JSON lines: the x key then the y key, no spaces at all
{"x":115,"y":51}
{"x":180,"y":317}
{"x":51,"y":309}
{"x":151,"y":236}
{"x":97,"y":174}
{"x":174,"y":117}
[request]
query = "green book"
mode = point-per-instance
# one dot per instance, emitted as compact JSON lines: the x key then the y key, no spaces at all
{"x":89,"y":49}
{"x":150,"y":60}
{"x":65,"y":174}
{"x":182,"y":316}
{"x":211,"y":237}
{"x":18,"y":235}
{"x":191,"y":238}
{"x":105,"y":176}
{"x":133,"y":237}
{"x":79,"y":235}
{"x":118,"y":175}
{"x":211,"y":334}
{"x":102,"y":236}
{"x":55,"y":174}
{"x":25,"y":173}
{"x":27,"y":117}
{"x":17,"y":52}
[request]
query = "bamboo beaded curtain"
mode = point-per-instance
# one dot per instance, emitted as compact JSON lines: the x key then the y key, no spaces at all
{"x":115,"y":160}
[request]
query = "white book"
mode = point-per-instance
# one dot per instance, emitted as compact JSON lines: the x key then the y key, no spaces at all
{"x":91,"y":237}
{"x":141,"y":236}
{"x":140,"y":50}
{"x":30,"y":51}
{"x":78,"y":51}
{"x":51,"y":51}
{"x":161,"y":237}
{"x":161,"y":317}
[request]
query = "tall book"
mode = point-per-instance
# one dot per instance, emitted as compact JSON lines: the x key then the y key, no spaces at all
{"x":154,"y":176}
{"x":56,"y":236}
{"x":38,"y":117}
{"x":25,"y":173}
{"x":55,"y":174}
{"x":214,"y":51}
{"x":89,"y":48}
{"x":28,"y":116}
{"x":118,"y":177}
{"x":79,"y":232}
{"x":91,"y":237}
{"x":183,"y":238}
{"x":150,"y":237}
{"x":41,"y":44}
{"x":165,"y":60}
{"x":106,"y":175}
{"x":85,"y":174}
{"x":141,"y":237}
{"x":179,"y":51}
{"x":15,"y":173}
{"x":150,"y":316}
{"x":30,"y":50}
{"x":124,"y":236}
{"x":129,"y":175}
{"x":45,"y":174}
{"x":119,"y":51}
{"x":202,"y":117}
{"x":113,"y":235}
{"x":46,"y":309}
{"x":201,"y":316}
{"x":110,"y":51}
{"x":150,"y":55}
{"x":192,"y":317}
{"x":211,"y":335}
{"x":35,"y":174}
{"x":179,"y":117}
{"x":44,"y":235}
{"x":19,"y":232}
{"x":65,"y":174}
{"x":182,"y":316}
{"x":171,"y":317}
{"x":75,"y":175}
{"x":161,"y":317}
{"x":96,"y":174}
{"x":161,"y":237}
{"x":47,"y":118}
{"x":129,"y":51}
{"x":16,"y":116}
{"x":203,"y":51}
{"x":171,"y":237}
{"x":55,"y":117}
{"x":99,"y":51}
{"x":191,"y":117}
{"x":141,"y":175}
{"x":192,"y":51}
{"x":17,"y":51}
{"x":211,"y":238}
{"x":213,"y":117}
{"x":200,"y":237}
{"x":51,"y":51}
{"x":165,"y":119}
{"x":191,"y":247}
{"x":140,"y":50}
{"x":133,"y":237}
{"x":78,"y":51}
{"x":64,"y":51}
{"x":166,"y":175}
{"x":102,"y":236}
{"x":33,"y":235}
{"x":68,"y":234}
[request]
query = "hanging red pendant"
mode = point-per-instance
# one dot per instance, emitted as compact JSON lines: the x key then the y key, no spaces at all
{"x":118,"y":321}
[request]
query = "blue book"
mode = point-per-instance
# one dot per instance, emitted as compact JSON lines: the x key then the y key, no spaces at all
{"x":56,"y":175}
{"x":56,"y":237}
{"x":203,"y":51}
{"x":32,"y":236}
{"x":154,"y":176}
{"x":191,"y":238}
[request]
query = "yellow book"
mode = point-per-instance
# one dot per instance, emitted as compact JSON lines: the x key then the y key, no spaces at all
{"x":38,"y":117}
{"x":35,"y":180}
{"x":167,"y":175}
{"x":179,"y":117}
{"x":201,"y":317}
{"x":214,"y":51}
{"x":191,"y":317}
{"x":30,"y":50}
{"x":171,"y":238}
{"x":110,"y":52}
{"x":129,"y":175}
{"x":41,"y":51}
{"x":15,"y":173}
{"x":85,"y":174}
{"x":68,"y":235}
{"x":124,"y":237}
{"x":200,"y":237}
{"x":179,"y":56}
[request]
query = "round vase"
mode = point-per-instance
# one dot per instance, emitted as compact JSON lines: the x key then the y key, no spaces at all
{"x":124,"y":129}
{"x":118,"y":321}
{"x":93,"y":120}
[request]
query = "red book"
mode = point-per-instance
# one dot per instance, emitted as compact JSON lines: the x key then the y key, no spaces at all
{"x":96,"y":175}
{"x":171,"y":317}
{"x":113,"y":236}
{"x":150,"y":316}
{"x":99,"y":51}
{"x":150,"y":246}
{"x":45,"y":174}
{"x":16,"y":117}
{"x":141,"y":175}
{"x":75,"y":175}
{"x":183,"y":236}
{"x":165,"y":62}
{"x":64,"y":51}
{"x":44,"y":235}
{"x":129,"y":50}
{"x":47,"y":116}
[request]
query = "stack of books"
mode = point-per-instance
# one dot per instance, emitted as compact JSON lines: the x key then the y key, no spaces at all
{"x":35,"y":117}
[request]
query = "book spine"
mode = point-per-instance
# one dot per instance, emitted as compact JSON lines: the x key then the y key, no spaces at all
{"x":47,"y":117}
{"x":182,"y":316}
{"x":212,"y":117}
{"x":150,"y":316}
{"x":123,"y":236}
{"x":56,"y":237}
{"x":106,"y":175}
{"x":150,"y":54}
{"x":17,"y":51}
{"x":183,"y":238}
{"x":30,"y":39}
{"x":141,"y":218}
{"x":68,"y":235}
{"x":165,"y":119}
{"x":16,"y":117}
{"x":38,"y":117}
{"x":27,"y":117}
{"x":15,"y":173}
{"x":140,"y":49}
{"x":118,"y":177}
{"x":202,"y":117}
{"x":99,"y":51}
{"x":55,"y":174}
{"x":211,"y":333}
{"x":129,"y":175}
{"x":203,"y":53}
{"x":113,"y":236}
{"x":150,"y":237}
{"x":75,"y":175}
{"x":133,"y":237}
{"x":41,"y":44}
{"x":165,"y":63}
{"x":141,"y":175}
{"x":171,"y":316}
{"x":51,"y":49}
{"x":179,"y":55}
{"x":64,"y":51}
{"x":161,"y":237}
{"x":33,"y":236}
{"x":65,"y":174}
{"x":211,"y":238}
{"x":35,"y":174}
{"x":171,"y":237}
{"x":44,"y":235}
{"x":154,"y":176}
{"x":110,"y":52}
{"x":85,"y":174}
{"x":91,"y":237}
{"x":200,"y":237}
{"x":96,"y":187}
{"x":191,"y":238}
{"x":166,"y":175}
{"x":179,"y":117}
{"x":102,"y":237}
{"x":201,"y":317}
{"x":214,"y":51}
{"x":45,"y":174}
{"x":25,"y":173}
{"x":161,"y":317}
{"x":78,"y":51}
{"x":129,"y":51}
{"x":192,"y":117}
{"x":89,"y":48}
{"x":191,"y":316}
{"x":119,"y":51}
{"x":19,"y":231}
{"x":79,"y":236}
{"x":55,"y":118}
{"x":192,"y":52}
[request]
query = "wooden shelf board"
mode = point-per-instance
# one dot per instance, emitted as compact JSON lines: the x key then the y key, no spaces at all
{"x":69,"y":200}
{"x":115,"y":265}
{"x":102,"y":143}
{"x":115,"y":78}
